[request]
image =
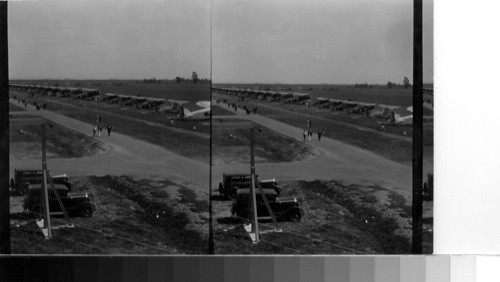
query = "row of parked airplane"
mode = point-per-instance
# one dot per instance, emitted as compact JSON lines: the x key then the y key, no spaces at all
{"x":141,"y":102}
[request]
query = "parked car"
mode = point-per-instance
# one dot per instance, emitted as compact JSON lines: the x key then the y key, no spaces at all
{"x":76,"y":204}
{"x":283,"y":208}
{"x":232,"y":182}
{"x":270,"y":184}
{"x":24,"y":177}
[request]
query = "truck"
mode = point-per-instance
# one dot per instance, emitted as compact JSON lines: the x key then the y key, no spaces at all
{"x":231,"y":182}
{"x":23,"y":177}
{"x":283,"y":208}
{"x":75,"y":204}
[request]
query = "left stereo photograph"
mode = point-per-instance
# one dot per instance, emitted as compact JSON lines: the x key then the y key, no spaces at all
{"x":109,"y":113}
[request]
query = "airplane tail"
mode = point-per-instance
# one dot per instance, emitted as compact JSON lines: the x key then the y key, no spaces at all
{"x":185,"y":112}
{"x":398,"y":118}
{"x":403,"y":120}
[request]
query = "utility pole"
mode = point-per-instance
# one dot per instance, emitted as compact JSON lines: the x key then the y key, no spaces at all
{"x":4,"y":134}
{"x":44,"y":199}
{"x":417,"y":128}
{"x":45,"y":204}
{"x":211,"y":247}
{"x":252,"y":199}
{"x":255,"y":227}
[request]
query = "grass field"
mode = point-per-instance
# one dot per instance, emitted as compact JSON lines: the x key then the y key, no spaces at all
{"x":379,"y":94}
{"x":62,"y":142}
{"x":14,"y":108}
{"x":233,"y":146}
{"x":131,"y":216}
{"x":338,"y":218}
{"x":179,"y":91}
{"x":183,"y":91}
{"x":357,"y":130}
{"x":146,"y":125}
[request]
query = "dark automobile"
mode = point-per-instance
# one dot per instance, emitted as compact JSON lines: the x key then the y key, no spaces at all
{"x":232,"y":182}
{"x":270,"y":184}
{"x":76,"y":204}
{"x":283,"y":208}
{"x":24,"y":177}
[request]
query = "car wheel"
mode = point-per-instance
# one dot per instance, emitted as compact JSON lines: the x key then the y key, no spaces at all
{"x":23,"y":188}
{"x":295,"y":216}
{"x":36,"y":211}
{"x":242,"y":214}
{"x":232,"y":194}
{"x":86,"y":212}
{"x":69,"y":186}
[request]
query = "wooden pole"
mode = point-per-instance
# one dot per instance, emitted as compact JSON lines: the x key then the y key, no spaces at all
{"x":417,"y":128}
{"x":211,"y":247}
{"x":46,"y":222}
{"x":4,"y":134}
{"x":255,"y":219}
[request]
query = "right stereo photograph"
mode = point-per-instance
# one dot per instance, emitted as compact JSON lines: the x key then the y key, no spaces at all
{"x":313,"y":127}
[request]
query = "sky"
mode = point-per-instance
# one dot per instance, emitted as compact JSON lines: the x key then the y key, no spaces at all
{"x":317,"y":41}
{"x":109,"y":39}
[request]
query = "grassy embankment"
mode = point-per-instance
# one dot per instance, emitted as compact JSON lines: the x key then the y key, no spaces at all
{"x":338,"y":218}
{"x":62,"y":142}
{"x":131,"y":216}
{"x":14,"y":108}
{"x":233,"y":146}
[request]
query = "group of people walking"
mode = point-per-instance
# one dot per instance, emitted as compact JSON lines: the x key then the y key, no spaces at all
{"x":43,"y":106}
{"x":24,"y":102}
{"x":98,"y":127}
{"x":308,"y":131}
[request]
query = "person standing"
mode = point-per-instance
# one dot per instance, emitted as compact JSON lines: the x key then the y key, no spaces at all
{"x":304,"y":134}
{"x":99,"y":128}
{"x":310,"y":133}
{"x":172,"y":122}
{"x":94,"y":129}
{"x":309,"y":123}
{"x":320,"y":132}
{"x":109,"y":130}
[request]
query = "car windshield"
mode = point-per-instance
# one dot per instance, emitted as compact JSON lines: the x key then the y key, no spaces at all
{"x":31,"y":173}
{"x":34,"y":194}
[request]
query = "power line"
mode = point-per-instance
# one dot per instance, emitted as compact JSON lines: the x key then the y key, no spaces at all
{"x":124,"y":238}
{"x":171,"y":250}
{"x":300,"y":252}
{"x":76,"y":241}
{"x":312,"y":239}
{"x":65,"y":238}
{"x":321,"y":241}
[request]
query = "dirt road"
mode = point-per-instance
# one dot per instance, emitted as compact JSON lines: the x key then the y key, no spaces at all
{"x":130,"y":156}
{"x":127,"y":156}
{"x":339,"y":161}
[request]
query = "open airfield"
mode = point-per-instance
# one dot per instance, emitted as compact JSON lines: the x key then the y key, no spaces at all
{"x":355,"y":191}
{"x":149,"y":179}
{"x":146,"y":196}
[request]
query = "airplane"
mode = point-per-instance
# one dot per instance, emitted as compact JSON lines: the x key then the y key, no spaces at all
{"x":397,"y":119}
{"x":204,"y":113}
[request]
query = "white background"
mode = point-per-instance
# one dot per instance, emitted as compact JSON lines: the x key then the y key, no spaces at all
{"x":467,"y":127}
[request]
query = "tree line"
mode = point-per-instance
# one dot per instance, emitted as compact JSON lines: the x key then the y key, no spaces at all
{"x":178,"y":79}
